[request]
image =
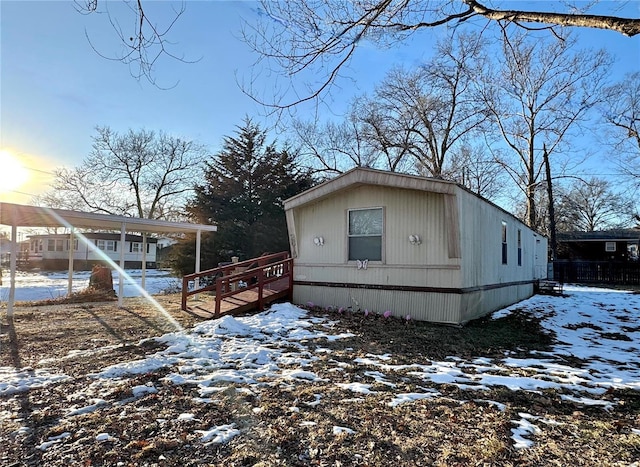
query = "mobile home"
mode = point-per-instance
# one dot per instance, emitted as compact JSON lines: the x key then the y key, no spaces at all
{"x":416,"y":246}
{"x":51,"y":251}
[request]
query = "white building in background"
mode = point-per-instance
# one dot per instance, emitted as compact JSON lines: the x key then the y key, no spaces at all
{"x":51,"y":251}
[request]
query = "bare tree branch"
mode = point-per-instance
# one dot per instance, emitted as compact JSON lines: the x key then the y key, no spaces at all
{"x":139,"y":174}
{"x":542,"y":93}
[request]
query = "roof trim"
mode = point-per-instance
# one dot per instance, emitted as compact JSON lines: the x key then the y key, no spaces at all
{"x":22,"y":215}
{"x":366,"y":176}
{"x":618,"y":235}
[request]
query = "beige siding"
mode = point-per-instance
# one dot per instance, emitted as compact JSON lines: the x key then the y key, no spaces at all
{"x":424,"y":306}
{"x":481,"y":243}
{"x":477,"y":304}
{"x":406,"y":212}
{"x":456,"y":272}
{"x":417,"y":276}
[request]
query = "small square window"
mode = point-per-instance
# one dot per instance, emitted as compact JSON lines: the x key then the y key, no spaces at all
{"x":365,"y":234}
{"x":610,"y":247}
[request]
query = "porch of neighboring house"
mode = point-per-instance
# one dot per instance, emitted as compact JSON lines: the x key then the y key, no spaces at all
{"x":239,"y":286}
{"x":601,"y":257}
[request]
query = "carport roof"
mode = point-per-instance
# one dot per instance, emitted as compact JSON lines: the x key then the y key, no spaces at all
{"x":38,"y":216}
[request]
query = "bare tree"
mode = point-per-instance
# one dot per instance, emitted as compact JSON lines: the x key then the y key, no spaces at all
{"x":324,"y":34}
{"x":473,"y":167}
{"x":423,"y":114}
{"x":413,"y":122}
{"x":332,"y":148}
{"x":310,"y":42}
{"x":621,"y":114}
{"x":541,"y":92}
{"x":139,"y":173}
{"x":593,"y":205}
{"x":143,"y":40}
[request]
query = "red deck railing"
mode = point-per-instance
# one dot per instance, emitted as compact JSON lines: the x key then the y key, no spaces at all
{"x":236,"y":278}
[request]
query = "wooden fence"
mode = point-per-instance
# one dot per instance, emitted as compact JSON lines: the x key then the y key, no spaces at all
{"x":597,"y":272}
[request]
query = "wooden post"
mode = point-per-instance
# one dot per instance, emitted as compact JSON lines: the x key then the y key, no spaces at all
{"x":261,"y":289}
{"x":289,"y":266}
{"x":185,"y":285}
{"x":218,"y":296}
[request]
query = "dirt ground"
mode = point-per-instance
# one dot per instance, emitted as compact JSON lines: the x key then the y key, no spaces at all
{"x":451,"y":430}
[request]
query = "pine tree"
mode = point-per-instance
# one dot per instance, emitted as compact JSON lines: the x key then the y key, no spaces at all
{"x":244,"y":187}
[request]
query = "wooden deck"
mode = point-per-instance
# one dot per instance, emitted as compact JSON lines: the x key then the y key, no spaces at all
{"x":204,"y":305}
{"x":238,"y":287}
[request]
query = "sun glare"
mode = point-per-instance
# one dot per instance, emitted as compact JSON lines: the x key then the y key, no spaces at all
{"x":12,"y":173}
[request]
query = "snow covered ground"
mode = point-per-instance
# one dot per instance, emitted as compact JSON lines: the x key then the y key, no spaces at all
{"x":45,"y":285}
{"x":599,"y":326}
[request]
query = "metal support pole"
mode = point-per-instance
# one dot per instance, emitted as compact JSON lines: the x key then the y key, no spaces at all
{"x":123,"y":239}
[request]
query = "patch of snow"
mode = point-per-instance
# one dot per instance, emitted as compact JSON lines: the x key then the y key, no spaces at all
{"x":219,"y":434}
{"x":341,"y":430}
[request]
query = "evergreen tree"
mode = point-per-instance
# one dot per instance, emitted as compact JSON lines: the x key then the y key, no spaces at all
{"x":244,"y":187}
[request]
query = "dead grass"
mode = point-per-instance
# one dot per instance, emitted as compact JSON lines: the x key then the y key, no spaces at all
{"x":279,"y":425}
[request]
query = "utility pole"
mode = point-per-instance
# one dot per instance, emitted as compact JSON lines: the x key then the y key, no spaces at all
{"x":552,"y":217}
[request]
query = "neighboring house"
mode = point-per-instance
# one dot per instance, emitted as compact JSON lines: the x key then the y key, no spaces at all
{"x":415,"y":246}
{"x":606,"y":257}
{"x":52,"y":251}
{"x":606,"y":245}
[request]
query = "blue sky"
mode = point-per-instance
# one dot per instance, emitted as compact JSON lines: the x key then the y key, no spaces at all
{"x":55,"y":89}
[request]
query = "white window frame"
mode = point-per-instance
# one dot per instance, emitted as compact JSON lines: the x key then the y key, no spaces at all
{"x":106,"y":245}
{"x":610,"y":247}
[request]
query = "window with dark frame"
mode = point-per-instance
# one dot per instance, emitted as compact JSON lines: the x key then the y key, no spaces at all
{"x":504,"y":242}
{"x":519,"y":247}
{"x":365,"y":234}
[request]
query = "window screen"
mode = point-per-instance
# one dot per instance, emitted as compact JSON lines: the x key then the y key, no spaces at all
{"x":365,"y":234}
